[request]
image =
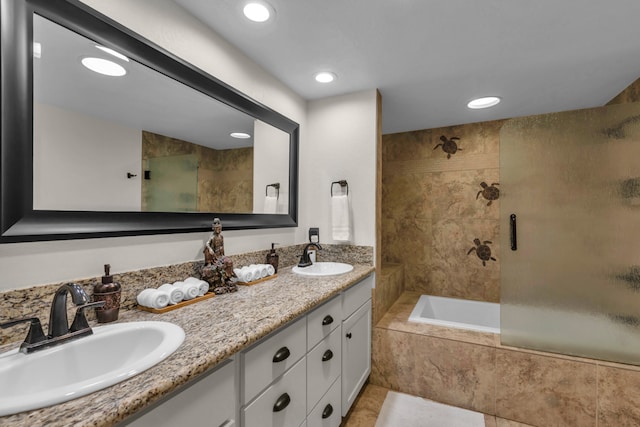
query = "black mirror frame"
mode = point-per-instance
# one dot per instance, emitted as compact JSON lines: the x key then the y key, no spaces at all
{"x":19,"y":222}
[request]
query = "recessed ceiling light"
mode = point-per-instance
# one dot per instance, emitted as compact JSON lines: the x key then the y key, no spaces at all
{"x":103,"y":66}
{"x":484,"y":102}
{"x":325,"y":77}
{"x":257,"y":11}
{"x":240,"y":135}
{"x":112,"y":52}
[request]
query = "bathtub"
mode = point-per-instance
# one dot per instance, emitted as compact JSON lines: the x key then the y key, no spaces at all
{"x":457,"y":313}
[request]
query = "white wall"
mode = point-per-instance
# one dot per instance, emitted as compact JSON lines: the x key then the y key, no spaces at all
{"x":75,"y":154}
{"x":337,"y":142}
{"x":271,"y":146}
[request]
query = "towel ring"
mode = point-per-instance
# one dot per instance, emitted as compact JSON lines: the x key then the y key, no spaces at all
{"x":275,"y":185}
{"x":342,"y":183}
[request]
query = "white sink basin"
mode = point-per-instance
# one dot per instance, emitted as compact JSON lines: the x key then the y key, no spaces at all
{"x":323,"y":269}
{"x":112,"y":354}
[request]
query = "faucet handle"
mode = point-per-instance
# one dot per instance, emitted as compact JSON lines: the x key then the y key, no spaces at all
{"x":35,"y":333}
{"x":80,"y":320}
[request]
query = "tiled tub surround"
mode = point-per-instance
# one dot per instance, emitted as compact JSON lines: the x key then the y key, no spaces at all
{"x":473,"y":370}
{"x":215,"y":330}
{"x":36,"y":301}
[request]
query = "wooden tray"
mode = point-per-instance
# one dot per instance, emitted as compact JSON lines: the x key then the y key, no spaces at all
{"x":255,"y":282}
{"x":178,"y":305}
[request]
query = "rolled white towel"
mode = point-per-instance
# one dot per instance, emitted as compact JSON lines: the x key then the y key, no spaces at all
{"x":270,"y":270}
{"x":175,"y":293}
{"x":153,"y":298}
{"x":238,"y":272}
{"x":203,"y":287}
{"x":190,"y":290}
{"x":263,"y":270}
{"x":254,"y":269}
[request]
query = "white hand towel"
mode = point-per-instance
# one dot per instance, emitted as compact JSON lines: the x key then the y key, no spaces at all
{"x":340,"y":221}
{"x":190,"y":290}
{"x":175,"y":294}
{"x":153,"y":298}
{"x":270,"y":204}
{"x":203,"y":287}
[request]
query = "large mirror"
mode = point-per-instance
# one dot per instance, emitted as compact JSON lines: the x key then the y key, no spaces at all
{"x":145,"y":150}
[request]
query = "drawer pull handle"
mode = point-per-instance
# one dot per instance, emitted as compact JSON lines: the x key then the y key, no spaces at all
{"x":327,"y":320}
{"x":282,"y":402}
{"x":328,"y":355}
{"x":328,"y":410}
{"x":281,"y":355}
{"x":349,"y":335}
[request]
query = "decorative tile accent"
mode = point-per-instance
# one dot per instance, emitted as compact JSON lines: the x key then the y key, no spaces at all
{"x":546,"y":391}
{"x":449,"y":145}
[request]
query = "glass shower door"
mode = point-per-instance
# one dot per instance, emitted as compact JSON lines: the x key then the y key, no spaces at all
{"x":572,"y":180}
{"x":171,"y":184}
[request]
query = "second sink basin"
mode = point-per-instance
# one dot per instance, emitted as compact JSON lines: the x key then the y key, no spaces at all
{"x":112,"y":354}
{"x":323,"y":269}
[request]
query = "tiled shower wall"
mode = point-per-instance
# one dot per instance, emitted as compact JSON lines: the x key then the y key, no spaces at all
{"x":434,"y":207}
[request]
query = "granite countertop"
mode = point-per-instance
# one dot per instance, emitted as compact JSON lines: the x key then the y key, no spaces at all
{"x":215,"y":329}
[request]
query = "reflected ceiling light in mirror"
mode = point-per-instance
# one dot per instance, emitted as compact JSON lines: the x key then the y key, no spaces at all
{"x":112,"y":52}
{"x":484,"y":102}
{"x":240,"y":135}
{"x":257,"y":11}
{"x":104,"y":66}
{"x":325,"y":77}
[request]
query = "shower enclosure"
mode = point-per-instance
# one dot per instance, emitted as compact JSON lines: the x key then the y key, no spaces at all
{"x":570,"y":232}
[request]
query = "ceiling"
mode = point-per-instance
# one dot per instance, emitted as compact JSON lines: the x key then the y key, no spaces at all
{"x":428,"y":58}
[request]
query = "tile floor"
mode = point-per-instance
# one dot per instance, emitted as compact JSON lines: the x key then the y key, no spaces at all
{"x":366,"y":408}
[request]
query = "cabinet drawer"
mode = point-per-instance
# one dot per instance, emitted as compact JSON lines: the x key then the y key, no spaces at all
{"x":327,"y":411}
{"x":271,"y":358}
{"x":322,"y":321}
{"x":323,"y":366}
{"x":283,"y":404}
{"x":355,"y":296}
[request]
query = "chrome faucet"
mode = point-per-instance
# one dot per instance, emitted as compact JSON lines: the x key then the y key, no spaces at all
{"x":305,"y":261}
{"x":59,"y":329}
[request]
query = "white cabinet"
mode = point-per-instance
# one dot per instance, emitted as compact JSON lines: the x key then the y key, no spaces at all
{"x":208,"y":401}
{"x":356,"y":340}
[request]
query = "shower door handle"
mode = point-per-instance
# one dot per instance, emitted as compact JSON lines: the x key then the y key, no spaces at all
{"x":513,"y":233}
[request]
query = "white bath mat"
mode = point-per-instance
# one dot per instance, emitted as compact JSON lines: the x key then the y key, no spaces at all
{"x":403,"y":410}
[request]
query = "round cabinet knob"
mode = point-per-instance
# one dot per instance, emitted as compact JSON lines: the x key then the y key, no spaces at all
{"x":348,"y":335}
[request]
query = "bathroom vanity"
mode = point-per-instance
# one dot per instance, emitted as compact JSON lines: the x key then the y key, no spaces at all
{"x":226,"y":373}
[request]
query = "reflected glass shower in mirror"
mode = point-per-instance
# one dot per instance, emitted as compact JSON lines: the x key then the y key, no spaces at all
{"x":142,"y":141}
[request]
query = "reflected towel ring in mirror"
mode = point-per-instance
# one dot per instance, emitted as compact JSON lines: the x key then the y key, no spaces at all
{"x":275,"y":185}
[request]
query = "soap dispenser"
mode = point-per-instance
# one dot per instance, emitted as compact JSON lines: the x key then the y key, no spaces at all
{"x":109,"y":292}
{"x":272,"y":257}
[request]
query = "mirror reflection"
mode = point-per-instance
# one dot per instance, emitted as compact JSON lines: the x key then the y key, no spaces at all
{"x":137,"y":140}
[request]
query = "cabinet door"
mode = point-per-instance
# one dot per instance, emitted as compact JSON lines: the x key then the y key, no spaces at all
{"x":356,"y":354}
{"x":209,"y":401}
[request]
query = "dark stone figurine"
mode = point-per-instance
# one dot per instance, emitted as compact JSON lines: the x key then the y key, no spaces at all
{"x":218,"y":268}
